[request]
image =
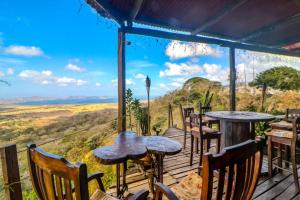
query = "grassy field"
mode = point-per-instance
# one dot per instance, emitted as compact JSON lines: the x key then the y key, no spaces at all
{"x":72,"y":131}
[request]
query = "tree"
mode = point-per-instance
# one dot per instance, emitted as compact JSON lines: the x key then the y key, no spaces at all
{"x":5,"y":82}
{"x":280,"y":78}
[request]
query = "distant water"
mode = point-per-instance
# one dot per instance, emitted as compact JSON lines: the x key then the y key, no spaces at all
{"x":70,"y":101}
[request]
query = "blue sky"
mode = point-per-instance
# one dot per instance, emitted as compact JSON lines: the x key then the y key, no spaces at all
{"x":63,"y":48}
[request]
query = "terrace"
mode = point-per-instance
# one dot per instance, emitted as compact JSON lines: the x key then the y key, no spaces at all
{"x":268,"y":26}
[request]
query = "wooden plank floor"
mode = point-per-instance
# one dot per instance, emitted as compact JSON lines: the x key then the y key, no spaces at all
{"x":176,"y":167}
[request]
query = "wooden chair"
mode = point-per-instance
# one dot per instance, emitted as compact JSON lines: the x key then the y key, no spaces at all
{"x":284,"y":138}
{"x":202,"y":133}
{"x":291,"y":113}
{"x":238,"y":169}
{"x":186,"y":112}
{"x":209,"y":121}
{"x":53,"y":177}
{"x":286,"y":124}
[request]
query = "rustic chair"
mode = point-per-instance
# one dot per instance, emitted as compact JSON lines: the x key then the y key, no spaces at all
{"x":186,"y":112}
{"x":286,"y":124}
{"x":237,"y":167}
{"x":283,"y":138}
{"x":208,"y":120}
{"x":53,"y":177}
{"x":202,"y":133}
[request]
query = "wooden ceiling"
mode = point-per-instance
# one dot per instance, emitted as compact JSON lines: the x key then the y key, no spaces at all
{"x":270,"y":23}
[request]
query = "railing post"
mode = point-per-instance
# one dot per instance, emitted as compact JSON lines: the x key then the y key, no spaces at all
{"x":121,"y":81}
{"x":170,"y":116}
{"x":232,"y":83}
{"x":10,"y":170}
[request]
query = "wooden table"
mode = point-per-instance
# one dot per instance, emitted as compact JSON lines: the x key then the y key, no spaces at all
{"x":238,"y":126}
{"x":129,"y":146}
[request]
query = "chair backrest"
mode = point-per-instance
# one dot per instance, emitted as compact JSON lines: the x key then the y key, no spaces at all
{"x":187,"y":112}
{"x":296,"y":128}
{"x":291,"y":114}
{"x":204,"y":109}
{"x":238,"y":167}
{"x":196,"y":121}
{"x":55,"y":178}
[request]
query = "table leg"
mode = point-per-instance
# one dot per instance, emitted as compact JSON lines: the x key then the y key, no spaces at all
{"x":160,"y":167}
{"x":124,"y":185}
{"x":160,"y":170}
{"x":118,"y":180}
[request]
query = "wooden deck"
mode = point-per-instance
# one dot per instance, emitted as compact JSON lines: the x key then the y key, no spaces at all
{"x":176,"y":167}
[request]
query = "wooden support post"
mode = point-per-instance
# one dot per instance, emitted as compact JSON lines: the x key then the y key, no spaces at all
{"x":232,"y":85}
{"x":10,"y":170}
{"x":121,"y":81}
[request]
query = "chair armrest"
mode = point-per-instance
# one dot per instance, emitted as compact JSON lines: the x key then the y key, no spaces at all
{"x":140,"y":195}
{"x":97,"y":176}
{"x":163,"y":189}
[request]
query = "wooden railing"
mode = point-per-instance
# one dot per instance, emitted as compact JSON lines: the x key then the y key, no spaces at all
{"x":10,"y":171}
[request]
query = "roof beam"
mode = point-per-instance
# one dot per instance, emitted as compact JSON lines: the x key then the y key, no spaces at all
{"x":209,"y":40}
{"x":103,"y":8}
{"x":274,"y":27}
{"x":288,"y":41}
{"x":228,"y":8}
{"x":136,"y":9}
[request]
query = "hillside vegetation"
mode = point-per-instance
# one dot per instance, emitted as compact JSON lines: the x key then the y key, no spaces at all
{"x":73,"y":131}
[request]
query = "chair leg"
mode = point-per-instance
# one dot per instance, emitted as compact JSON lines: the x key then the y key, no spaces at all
{"x":201,"y":152}
{"x":197,"y":145}
{"x":279,"y":154}
{"x":294,"y":166}
{"x":270,"y":157}
{"x":287,"y":155}
{"x":207,"y":145}
{"x":192,"y":149}
{"x":184,"y":139}
{"x":218,"y":145}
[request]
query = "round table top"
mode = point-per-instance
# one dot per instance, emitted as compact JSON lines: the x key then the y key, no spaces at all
{"x":240,"y":116}
{"x":130,"y":146}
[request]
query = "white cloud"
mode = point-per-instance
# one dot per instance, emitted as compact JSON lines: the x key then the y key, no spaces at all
{"x":178,"y":50}
{"x":114,"y":82}
{"x":98,"y":84}
{"x":162,"y":85}
{"x":74,"y":60}
{"x":249,"y":63}
{"x":24,"y":50}
{"x":47,"y":77}
{"x":130,"y":82}
{"x":216,"y":72}
{"x":74,"y":68}
{"x":10,"y":71}
{"x":140,"y":76}
{"x":182,"y":69}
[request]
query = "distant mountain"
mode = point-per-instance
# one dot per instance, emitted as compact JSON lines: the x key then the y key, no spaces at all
{"x":35,"y":100}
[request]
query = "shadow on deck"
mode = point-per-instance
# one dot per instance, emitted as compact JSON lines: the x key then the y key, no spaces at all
{"x":176,"y":167}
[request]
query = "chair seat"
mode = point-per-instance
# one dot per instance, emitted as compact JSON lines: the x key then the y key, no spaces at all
{"x":189,"y":188}
{"x":282,"y":125}
{"x":100,"y":195}
{"x":282,"y":133}
{"x":206,"y":130}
